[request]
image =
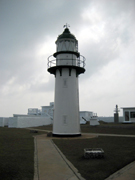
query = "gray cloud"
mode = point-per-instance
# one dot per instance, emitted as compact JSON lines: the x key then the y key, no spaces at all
{"x":104,"y":29}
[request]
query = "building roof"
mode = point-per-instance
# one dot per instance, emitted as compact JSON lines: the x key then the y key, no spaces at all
{"x":127,"y":107}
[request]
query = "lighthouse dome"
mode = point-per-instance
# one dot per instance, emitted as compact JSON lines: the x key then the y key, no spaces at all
{"x":66,"y":34}
{"x":66,"y":42}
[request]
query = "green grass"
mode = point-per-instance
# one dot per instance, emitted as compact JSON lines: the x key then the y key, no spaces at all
{"x":47,"y":127}
{"x":17,"y":151}
{"x":16,"y":154}
{"x":110,"y":129}
{"x":119,"y":152}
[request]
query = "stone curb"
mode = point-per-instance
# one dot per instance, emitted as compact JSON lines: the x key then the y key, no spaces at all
{"x":116,"y":135}
{"x":71,"y":166}
{"x":121,"y":171}
{"x":36,"y":174}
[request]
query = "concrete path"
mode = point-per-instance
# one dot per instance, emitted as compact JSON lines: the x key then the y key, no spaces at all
{"x":51,"y":164}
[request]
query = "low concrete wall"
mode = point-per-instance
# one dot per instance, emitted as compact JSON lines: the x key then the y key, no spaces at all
{"x":3,"y":121}
{"x":22,"y":122}
{"x":12,"y":122}
{"x":6,"y":121}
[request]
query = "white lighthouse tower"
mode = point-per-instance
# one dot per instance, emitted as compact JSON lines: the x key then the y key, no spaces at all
{"x":66,"y":64}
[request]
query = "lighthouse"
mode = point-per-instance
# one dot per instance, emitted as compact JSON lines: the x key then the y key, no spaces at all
{"x":66,"y":64}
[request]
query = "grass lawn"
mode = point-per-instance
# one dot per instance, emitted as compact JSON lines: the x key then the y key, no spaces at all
{"x":16,"y":154}
{"x":108,"y":128}
{"x":119,"y":151}
{"x":46,"y":127}
{"x":17,"y":151}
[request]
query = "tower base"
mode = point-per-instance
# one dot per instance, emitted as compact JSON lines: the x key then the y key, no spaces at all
{"x":66,"y":135}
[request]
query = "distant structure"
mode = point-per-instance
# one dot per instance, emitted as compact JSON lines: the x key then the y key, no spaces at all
{"x":94,"y":120}
{"x":33,"y":111}
{"x":128,"y":114}
{"x":39,"y":117}
{"x":116,"y":115}
{"x":46,"y":111}
{"x":66,"y":64}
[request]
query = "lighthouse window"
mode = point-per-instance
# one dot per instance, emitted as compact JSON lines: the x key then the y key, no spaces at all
{"x":65,"y":83}
{"x":60,"y":46}
{"x":67,"y":45}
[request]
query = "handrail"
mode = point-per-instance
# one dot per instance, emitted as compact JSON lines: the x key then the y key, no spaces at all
{"x":80,"y":61}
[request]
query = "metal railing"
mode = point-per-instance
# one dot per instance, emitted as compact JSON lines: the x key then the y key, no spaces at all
{"x":79,"y":62}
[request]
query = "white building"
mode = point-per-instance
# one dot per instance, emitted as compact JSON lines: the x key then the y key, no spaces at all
{"x":20,"y":121}
{"x":86,"y":115}
{"x":33,"y":111}
{"x":47,"y":111}
{"x":89,"y":116}
{"x":34,"y":118}
{"x":3,"y":121}
{"x":128,"y":114}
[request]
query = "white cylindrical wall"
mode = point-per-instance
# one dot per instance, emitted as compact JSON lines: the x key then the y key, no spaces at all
{"x":66,"y":109}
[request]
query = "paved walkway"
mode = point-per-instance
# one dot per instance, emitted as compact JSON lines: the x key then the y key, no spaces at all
{"x":51,"y":164}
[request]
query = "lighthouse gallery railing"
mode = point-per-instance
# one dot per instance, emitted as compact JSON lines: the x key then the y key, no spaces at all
{"x":80,"y":61}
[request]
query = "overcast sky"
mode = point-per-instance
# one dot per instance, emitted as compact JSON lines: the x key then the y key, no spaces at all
{"x":105,"y":30}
